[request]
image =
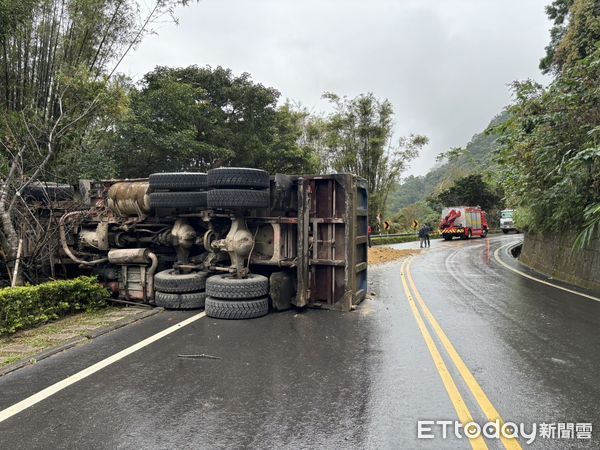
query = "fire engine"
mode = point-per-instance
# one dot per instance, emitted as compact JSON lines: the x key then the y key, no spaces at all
{"x":463,"y":222}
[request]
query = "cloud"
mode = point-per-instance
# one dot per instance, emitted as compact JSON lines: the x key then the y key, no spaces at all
{"x":444,"y":65}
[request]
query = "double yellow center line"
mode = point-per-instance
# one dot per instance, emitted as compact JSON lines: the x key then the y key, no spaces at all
{"x":462,"y":410}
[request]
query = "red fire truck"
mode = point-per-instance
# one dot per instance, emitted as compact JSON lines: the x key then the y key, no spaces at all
{"x":464,"y":222}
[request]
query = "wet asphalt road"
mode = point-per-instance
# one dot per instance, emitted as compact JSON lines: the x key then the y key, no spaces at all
{"x":328,"y":379}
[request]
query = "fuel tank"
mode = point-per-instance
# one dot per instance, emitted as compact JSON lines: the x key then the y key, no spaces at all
{"x":129,"y":198}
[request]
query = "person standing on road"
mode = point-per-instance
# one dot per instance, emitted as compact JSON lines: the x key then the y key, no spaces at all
{"x":423,"y":236}
{"x":428,"y":231}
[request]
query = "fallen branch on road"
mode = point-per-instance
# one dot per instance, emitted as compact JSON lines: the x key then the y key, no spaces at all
{"x":199,"y":356}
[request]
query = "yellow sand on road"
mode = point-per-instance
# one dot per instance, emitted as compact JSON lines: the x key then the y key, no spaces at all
{"x":380,"y":255}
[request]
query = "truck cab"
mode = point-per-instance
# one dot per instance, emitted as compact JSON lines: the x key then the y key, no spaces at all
{"x":507,"y":221}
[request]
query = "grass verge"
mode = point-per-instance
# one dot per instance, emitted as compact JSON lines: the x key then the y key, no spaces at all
{"x":28,"y":343}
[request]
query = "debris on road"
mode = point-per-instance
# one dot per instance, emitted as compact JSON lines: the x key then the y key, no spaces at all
{"x":199,"y":356}
{"x":381,"y":255}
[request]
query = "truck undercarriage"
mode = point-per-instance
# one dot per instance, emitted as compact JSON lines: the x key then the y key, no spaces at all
{"x":234,"y":240}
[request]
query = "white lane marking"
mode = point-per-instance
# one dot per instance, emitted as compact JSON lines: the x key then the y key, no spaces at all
{"x":497,"y":258}
{"x":59,"y":386}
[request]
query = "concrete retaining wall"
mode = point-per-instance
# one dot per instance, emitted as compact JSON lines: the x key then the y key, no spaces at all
{"x":553,"y":255}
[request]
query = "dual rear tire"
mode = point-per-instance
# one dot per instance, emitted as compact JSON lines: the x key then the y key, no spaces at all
{"x":239,"y":309}
{"x":229,"y":297}
{"x":178,"y":190}
{"x":222,"y":188}
{"x":238,"y":188}
{"x":180,"y":290}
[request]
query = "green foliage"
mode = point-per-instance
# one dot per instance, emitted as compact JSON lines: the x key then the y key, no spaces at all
{"x":471,"y":190}
{"x":523,"y":218}
{"x":197,"y":118}
{"x":551,"y":148}
{"x":357,"y":138}
{"x":550,"y":151}
{"x":57,"y":94}
{"x":452,"y":155}
{"x":575,"y":33}
{"x":393,"y":240}
{"x":83,"y":153}
{"x":476,"y":158}
{"x":400,"y":239}
{"x":591,"y":228}
{"x":420,"y":211}
{"x":558,"y":12}
{"x":28,"y":306}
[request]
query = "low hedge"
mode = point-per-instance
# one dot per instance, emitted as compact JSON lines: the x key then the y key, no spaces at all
{"x":392,"y":240}
{"x":383,"y":240}
{"x":398,"y":239}
{"x":28,"y":306}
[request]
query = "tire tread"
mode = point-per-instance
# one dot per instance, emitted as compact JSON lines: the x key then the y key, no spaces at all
{"x":238,"y":177}
{"x":238,"y":198}
{"x":236,"y":310}
{"x":190,"y":300}
{"x":191,"y":199}
{"x":178,"y":181}
{"x":169,"y":281}
{"x":225,"y":287}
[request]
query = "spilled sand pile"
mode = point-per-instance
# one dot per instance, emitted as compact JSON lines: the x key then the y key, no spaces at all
{"x":380,"y":255}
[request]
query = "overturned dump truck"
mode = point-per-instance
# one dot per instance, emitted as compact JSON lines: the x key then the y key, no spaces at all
{"x":236,"y":241}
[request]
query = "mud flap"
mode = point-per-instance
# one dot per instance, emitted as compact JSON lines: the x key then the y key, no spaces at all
{"x":282,"y":290}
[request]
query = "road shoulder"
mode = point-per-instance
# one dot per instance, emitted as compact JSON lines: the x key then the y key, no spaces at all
{"x":505,"y":259}
{"x":31,"y":346}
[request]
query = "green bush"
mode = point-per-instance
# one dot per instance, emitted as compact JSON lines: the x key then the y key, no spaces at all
{"x":524,"y":218}
{"x":393,"y":240}
{"x":398,"y":239}
{"x":28,"y":306}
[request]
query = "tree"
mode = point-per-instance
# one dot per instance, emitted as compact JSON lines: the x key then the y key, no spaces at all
{"x":359,"y":139}
{"x":197,"y":118}
{"x":574,"y":35}
{"x":471,"y":190}
{"x":550,"y":152}
{"x":420,"y":211}
{"x":56,"y":62}
{"x":477,"y":157}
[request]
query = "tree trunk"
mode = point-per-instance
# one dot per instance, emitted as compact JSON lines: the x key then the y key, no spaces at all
{"x":10,"y":241}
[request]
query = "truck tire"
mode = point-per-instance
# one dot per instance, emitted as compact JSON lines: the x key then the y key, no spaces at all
{"x":245,"y":309}
{"x":238,"y":177}
{"x":228,"y":287}
{"x":237,"y":198}
{"x":178,"y":200}
{"x":447,"y":237}
{"x":191,"y":300}
{"x":505,"y":231}
{"x":177,"y":181}
{"x":171,"y":282}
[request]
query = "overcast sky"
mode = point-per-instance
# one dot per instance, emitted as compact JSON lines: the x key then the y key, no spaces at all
{"x":444,"y":64}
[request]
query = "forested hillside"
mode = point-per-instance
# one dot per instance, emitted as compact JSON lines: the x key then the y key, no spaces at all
{"x":477,"y":157}
{"x":550,"y":152}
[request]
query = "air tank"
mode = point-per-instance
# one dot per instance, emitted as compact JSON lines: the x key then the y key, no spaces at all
{"x":129,"y":198}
